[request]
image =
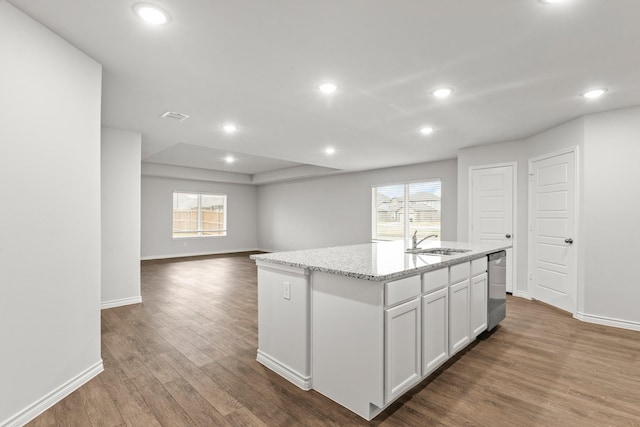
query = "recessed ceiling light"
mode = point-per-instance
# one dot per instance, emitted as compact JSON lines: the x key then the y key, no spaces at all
{"x":229,"y":159}
{"x":329,"y":151}
{"x":551,"y":1}
{"x":426,"y":130}
{"x":328,"y":88}
{"x":442,"y":92}
{"x":151,"y":14}
{"x":230,"y":128}
{"x":594,"y":93}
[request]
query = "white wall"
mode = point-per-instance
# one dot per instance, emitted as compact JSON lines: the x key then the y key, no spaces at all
{"x":157,"y":204}
{"x":336,"y":210}
{"x":120,"y":172}
{"x":611,"y":214}
{"x":50,"y":217}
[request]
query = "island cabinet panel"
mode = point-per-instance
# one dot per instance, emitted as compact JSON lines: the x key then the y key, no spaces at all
{"x":459,"y":324}
{"x":435,"y":279}
{"x":402,"y":348}
{"x":479,"y":266}
{"x":348,"y":341}
{"x":459,"y":272}
{"x":402,"y":290}
{"x":478,"y":304}
{"x":283,"y":305}
{"x":435,"y":330}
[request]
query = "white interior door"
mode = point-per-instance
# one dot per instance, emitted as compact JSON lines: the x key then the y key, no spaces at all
{"x":552,"y":272}
{"x":492,"y":210}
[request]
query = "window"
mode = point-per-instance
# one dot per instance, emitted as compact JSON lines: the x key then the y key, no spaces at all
{"x":401,"y":209}
{"x":199,"y":215}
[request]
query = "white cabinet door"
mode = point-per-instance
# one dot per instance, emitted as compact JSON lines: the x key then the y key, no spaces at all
{"x":402,"y":348}
{"x":478,"y":294}
{"x":435,"y":331}
{"x":458,"y":316}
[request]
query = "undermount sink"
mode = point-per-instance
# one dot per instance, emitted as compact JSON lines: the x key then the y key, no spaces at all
{"x":437,"y":251}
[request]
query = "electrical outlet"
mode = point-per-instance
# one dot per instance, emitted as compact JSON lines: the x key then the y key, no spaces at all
{"x":286,"y":290}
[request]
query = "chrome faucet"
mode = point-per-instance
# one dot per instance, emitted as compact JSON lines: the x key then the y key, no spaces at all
{"x":415,"y":242}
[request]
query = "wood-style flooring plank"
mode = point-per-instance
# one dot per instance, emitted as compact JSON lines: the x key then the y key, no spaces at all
{"x":212,"y":391}
{"x":46,"y":419}
{"x":71,"y":411}
{"x":132,"y":407}
{"x":198,"y":408}
{"x":163,"y":406}
{"x":99,"y":405}
{"x":267,"y":408}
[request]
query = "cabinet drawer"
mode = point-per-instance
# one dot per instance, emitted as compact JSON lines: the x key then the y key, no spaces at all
{"x":401,"y":290}
{"x":435,"y":279}
{"x":478,"y":266}
{"x":459,"y":272}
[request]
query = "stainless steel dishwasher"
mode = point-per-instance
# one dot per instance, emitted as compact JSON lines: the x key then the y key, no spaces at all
{"x":497,"y":301}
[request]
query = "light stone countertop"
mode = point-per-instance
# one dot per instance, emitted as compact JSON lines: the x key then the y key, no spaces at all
{"x":377,"y":261}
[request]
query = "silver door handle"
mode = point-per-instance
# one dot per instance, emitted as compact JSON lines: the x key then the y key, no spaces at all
{"x":568,"y":240}
{"x":508,"y":236}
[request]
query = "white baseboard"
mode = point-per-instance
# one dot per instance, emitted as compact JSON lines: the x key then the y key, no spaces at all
{"x":285,"y":371}
{"x":167,"y":256}
{"x":38,"y":407}
{"x":521,"y":294}
{"x":608,"y":321}
{"x":120,"y":302}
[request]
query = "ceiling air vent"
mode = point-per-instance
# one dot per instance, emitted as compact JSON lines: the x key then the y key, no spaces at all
{"x":175,"y":116}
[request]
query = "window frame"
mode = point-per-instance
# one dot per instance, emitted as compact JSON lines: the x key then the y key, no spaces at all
{"x":225,"y":213}
{"x":406,"y":217}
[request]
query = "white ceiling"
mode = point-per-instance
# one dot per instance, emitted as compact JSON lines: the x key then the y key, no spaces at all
{"x":517,"y":66}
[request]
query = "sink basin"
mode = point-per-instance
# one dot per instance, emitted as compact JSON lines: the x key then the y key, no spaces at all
{"x":437,"y":251}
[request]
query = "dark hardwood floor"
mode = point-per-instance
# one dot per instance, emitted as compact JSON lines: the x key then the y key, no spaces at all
{"x":186,"y":356}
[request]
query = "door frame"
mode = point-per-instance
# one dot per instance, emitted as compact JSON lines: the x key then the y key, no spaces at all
{"x":514,"y":219}
{"x":576,"y":226}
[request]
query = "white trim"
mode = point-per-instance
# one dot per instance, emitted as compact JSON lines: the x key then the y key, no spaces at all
{"x":120,"y":302}
{"x":219,"y":236}
{"x":225,"y":213}
{"x":514,"y":213}
{"x":38,"y":407}
{"x":374,"y":219}
{"x":522,"y":294}
{"x":608,"y":321}
{"x":304,"y":382}
{"x":530,"y":260}
{"x":406,"y":217}
{"x":567,"y":150}
{"x":167,"y":256}
{"x":411,"y":181}
{"x":579,"y":290}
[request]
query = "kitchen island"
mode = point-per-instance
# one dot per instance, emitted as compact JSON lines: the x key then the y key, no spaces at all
{"x":363,"y":324}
